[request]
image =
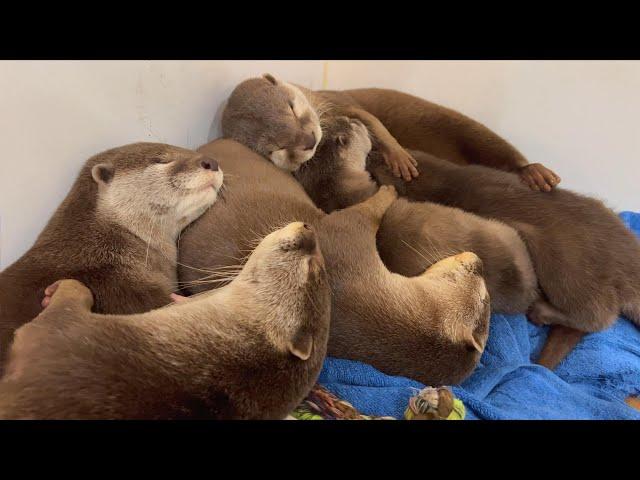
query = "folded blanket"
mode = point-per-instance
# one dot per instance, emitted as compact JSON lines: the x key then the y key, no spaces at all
{"x":591,"y":383}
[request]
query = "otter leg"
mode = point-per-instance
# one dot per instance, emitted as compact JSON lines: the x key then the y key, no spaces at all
{"x":376,"y":206}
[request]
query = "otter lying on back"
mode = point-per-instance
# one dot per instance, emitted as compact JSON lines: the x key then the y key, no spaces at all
{"x":115,"y":232}
{"x":250,"y":350}
{"x":415,"y":235}
{"x":281,"y":121}
{"x":586,"y":260}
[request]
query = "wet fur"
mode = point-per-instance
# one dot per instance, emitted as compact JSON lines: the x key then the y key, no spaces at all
{"x":431,"y":328}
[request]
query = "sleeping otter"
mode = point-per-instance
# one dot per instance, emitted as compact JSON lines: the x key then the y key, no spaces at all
{"x":280,"y":121}
{"x":586,"y":260}
{"x":189,"y":360}
{"x":432,"y":327}
{"x":115,"y":232}
{"x":415,"y":235}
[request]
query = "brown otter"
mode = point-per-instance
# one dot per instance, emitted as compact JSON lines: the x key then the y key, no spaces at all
{"x":587,"y":262}
{"x":280,"y":121}
{"x":249,"y":350}
{"x":432,"y":327}
{"x":415,"y":235}
{"x":115,"y":231}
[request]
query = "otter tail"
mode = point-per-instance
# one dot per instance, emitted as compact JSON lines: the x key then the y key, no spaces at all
{"x":560,"y":341}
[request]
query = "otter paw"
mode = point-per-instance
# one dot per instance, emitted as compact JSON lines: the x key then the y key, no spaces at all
{"x":388,"y":192}
{"x":175,"y":298}
{"x":68,"y":289}
{"x":538,"y":177}
{"x":401,"y":163}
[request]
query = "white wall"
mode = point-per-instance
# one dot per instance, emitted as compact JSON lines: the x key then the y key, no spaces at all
{"x":56,"y":114}
{"x":581,"y":118}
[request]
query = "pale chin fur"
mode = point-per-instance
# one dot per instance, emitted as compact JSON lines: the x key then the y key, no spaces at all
{"x":280,"y":159}
{"x":196,"y":203}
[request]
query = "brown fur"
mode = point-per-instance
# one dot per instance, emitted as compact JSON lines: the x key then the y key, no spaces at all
{"x":415,"y":235}
{"x":432,"y":327}
{"x":126,"y":273}
{"x":587,"y":262}
{"x":251,"y":350}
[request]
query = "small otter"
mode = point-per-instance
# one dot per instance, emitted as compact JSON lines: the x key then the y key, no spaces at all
{"x":250,"y":350}
{"x":432,"y":327}
{"x":277,"y":120}
{"x":586,"y":260}
{"x":415,"y":235}
{"x":115,"y":232}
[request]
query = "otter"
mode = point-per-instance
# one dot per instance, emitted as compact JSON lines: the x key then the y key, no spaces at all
{"x":115,"y":232}
{"x":415,"y":235}
{"x":250,"y":350}
{"x":282,"y":122}
{"x":586,"y":261}
{"x":432,"y":327}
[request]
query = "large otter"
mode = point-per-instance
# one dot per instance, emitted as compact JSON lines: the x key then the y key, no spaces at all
{"x":115,"y":231}
{"x":415,"y":235}
{"x":249,"y":350}
{"x":586,"y":260}
{"x":280,"y":121}
{"x":432,"y":327}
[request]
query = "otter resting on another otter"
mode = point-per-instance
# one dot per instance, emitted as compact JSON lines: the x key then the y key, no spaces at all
{"x":586,"y":260}
{"x":249,"y":350}
{"x":280,"y":121}
{"x":115,"y":232}
{"x":415,"y":235}
{"x":432,"y":327}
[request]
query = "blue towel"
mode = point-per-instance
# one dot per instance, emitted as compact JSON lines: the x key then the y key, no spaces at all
{"x":591,"y":383}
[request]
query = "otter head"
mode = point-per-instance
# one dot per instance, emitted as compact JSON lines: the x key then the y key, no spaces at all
{"x":274,"y":119}
{"x":287,"y":278}
{"x":462,"y":305}
{"x":352,"y":141}
{"x":171,"y":185}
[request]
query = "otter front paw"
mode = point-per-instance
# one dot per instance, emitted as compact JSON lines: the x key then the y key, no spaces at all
{"x":538,"y":177}
{"x":69,"y":290}
{"x":401,"y":163}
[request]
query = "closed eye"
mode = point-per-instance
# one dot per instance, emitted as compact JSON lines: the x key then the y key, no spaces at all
{"x":160,"y":160}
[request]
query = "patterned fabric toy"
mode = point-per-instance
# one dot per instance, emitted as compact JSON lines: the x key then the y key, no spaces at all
{"x":429,"y":404}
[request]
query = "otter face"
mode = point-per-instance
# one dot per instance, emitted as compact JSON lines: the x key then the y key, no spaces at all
{"x":286,"y":272}
{"x":169,"y":183}
{"x":274,"y":119}
{"x":464,"y":310}
{"x":354,"y":143}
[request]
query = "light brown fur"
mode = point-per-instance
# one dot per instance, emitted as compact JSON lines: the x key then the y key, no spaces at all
{"x":432,"y":327}
{"x":259,"y":116}
{"x":115,"y":232}
{"x":415,"y":235}
{"x":587,"y":262}
{"x":250,"y":350}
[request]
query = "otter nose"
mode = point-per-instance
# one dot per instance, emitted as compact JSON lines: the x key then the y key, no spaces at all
{"x":309,"y":141}
{"x":471,"y":262}
{"x":307,"y":239}
{"x":209,"y":164}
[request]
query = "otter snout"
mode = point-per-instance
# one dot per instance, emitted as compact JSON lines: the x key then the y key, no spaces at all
{"x":470,"y":262}
{"x":299,"y":236}
{"x":209,"y":164}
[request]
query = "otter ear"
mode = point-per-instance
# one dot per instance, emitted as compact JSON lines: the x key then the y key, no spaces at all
{"x":341,"y":140}
{"x":102,"y":173}
{"x":270,"y":78}
{"x":472,"y":344}
{"x":301,"y":345}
